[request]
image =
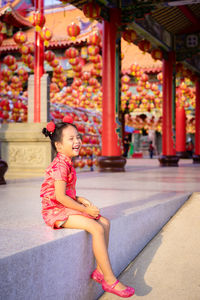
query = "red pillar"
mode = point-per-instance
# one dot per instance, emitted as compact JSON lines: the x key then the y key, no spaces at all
{"x":111,"y":159}
{"x":180,"y":131}
{"x":168,"y":158}
{"x":39,"y":65}
{"x":196,"y":156}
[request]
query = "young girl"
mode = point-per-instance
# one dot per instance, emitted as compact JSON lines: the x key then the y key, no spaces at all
{"x":61,"y":208}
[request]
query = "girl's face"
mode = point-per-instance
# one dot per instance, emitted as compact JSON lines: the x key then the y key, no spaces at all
{"x":70,"y":144}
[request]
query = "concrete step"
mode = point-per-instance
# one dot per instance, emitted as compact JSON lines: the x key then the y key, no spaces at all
{"x":58,"y":264}
{"x":168,"y":267}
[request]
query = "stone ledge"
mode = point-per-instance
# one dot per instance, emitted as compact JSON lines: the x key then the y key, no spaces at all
{"x":61,"y":267}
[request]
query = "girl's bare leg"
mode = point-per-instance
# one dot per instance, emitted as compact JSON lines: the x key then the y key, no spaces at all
{"x":99,"y":244}
{"x":106,"y":225}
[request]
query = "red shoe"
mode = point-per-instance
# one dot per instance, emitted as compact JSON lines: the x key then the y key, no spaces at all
{"x":97,"y":276}
{"x":127,"y":292}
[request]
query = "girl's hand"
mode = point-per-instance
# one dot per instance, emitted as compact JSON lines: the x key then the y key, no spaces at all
{"x":92,"y":211}
{"x":84,"y":201}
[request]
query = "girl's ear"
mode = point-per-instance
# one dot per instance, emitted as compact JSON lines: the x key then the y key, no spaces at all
{"x":58,"y":146}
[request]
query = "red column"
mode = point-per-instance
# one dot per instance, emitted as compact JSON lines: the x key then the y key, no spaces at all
{"x":168,"y":157}
{"x":111,"y":159}
{"x":180,"y":130}
{"x":197,"y":119}
{"x":110,"y":143}
{"x":167,"y":137}
{"x":39,"y":65}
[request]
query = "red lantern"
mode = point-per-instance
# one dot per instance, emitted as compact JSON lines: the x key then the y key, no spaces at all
{"x":49,"y":56}
{"x":94,"y":38}
{"x":91,"y":10}
{"x":13,"y":67}
{"x":38,"y":20}
{"x":74,"y":61}
{"x":71,"y":52}
{"x":144,"y":45}
{"x":98,"y":66}
{"x":85,"y":76}
{"x":54,"y":63}
{"x":20,"y":37}
{"x":73,"y":30}
{"x":9,"y":60}
{"x":93,"y":50}
{"x":93,"y":81}
{"x":160,"y":76}
{"x":156,"y":54}
{"x":46,"y":35}
{"x":25,"y":49}
{"x":95,"y":59}
{"x":125,"y":79}
{"x":77,"y":68}
{"x":129,"y":35}
{"x":144,"y":77}
{"x":28,"y":59}
{"x":77,"y":82}
{"x":58,"y":70}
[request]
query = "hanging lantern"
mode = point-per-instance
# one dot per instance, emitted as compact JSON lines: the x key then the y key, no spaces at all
{"x":20,"y":37}
{"x":129,"y":35}
{"x":125,"y":79}
{"x":9,"y":60}
{"x":73,"y":30}
{"x":93,"y":81}
{"x":46,"y":35}
{"x":13,"y":67}
{"x":77,"y":68}
{"x":160,"y":76}
{"x":94,"y":38}
{"x":77,"y":82}
{"x":144,"y":77}
{"x":92,"y":50}
{"x":38,"y":20}
{"x":144,"y":45}
{"x":91,"y":10}
{"x":85,"y":76}
{"x":54,"y":63}
{"x":25,"y":49}
{"x":27,"y":59}
{"x":156,"y":54}
{"x":74,"y":61}
{"x":71,"y":52}
{"x":49,"y":56}
{"x":58,"y":70}
{"x":98,"y":66}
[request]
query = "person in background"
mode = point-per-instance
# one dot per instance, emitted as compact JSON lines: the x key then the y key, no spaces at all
{"x":151,"y":149}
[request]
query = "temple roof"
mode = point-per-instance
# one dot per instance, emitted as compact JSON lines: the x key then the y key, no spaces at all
{"x":12,"y":17}
{"x":57,"y":21}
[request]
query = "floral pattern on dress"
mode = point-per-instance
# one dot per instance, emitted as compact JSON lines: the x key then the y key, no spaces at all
{"x":61,"y":168}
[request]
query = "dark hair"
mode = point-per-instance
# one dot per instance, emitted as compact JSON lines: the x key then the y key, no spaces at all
{"x":56,"y":136}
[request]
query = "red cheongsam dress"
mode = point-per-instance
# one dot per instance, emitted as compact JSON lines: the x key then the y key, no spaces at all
{"x":61,"y":168}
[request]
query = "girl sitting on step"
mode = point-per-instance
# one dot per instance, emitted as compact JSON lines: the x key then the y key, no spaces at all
{"x":61,"y":208}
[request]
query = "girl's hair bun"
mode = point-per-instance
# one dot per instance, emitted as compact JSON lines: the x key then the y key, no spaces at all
{"x":45,"y":132}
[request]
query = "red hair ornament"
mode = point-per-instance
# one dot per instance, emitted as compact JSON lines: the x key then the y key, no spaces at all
{"x":67,"y":119}
{"x":51,"y":127}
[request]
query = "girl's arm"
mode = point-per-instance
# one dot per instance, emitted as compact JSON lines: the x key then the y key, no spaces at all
{"x":60,"y":188}
{"x":84,"y":201}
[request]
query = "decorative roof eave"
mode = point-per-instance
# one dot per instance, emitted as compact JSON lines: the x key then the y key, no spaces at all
{"x":15,"y":18}
{"x":52,"y":44}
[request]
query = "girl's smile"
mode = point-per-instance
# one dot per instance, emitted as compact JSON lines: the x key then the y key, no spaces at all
{"x":71,"y":142}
